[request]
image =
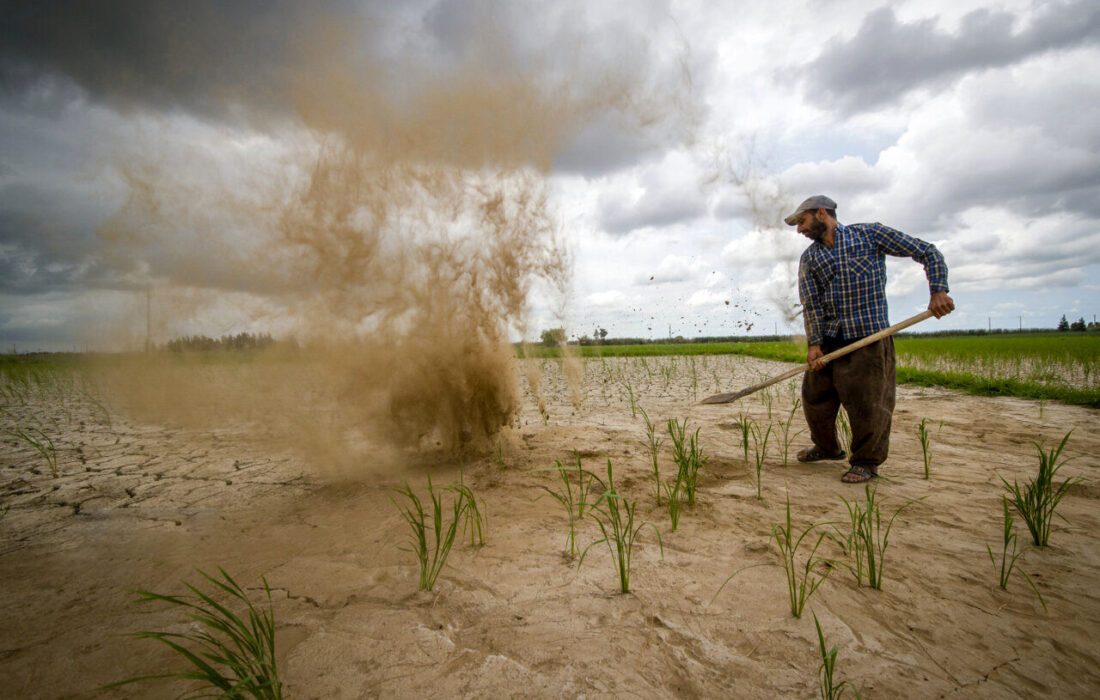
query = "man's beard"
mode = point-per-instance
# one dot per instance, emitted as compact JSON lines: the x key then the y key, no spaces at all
{"x":817,"y":230}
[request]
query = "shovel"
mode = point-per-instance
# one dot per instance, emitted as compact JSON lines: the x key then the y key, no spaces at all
{"x":726,"y":398}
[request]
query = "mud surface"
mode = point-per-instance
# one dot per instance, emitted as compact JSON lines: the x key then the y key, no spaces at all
{"x":137,"y":504}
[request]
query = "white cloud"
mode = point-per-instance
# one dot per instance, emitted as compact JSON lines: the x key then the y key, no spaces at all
{"x":608,"y":298}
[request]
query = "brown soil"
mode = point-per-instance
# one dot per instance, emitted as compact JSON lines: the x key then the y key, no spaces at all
{"x":142,"y":505}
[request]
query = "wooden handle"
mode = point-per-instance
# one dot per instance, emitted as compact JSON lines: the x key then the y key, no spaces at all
{"x":862,"y":342}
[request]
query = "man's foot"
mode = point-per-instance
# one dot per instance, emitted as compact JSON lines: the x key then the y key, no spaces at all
{"x":816,"y":454}
{"x":858,"y":475}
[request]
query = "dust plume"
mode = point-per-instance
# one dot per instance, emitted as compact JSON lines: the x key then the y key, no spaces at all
{"x":766,"y":203}
{"x":396,"y":230}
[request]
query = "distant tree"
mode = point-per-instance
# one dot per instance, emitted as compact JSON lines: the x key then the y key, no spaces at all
{"x":202,"y":343}
{"x":1063,"y":325}
{"x":1078,"y":325}
{"x":602,"y":333}
{"x":553,"y":336}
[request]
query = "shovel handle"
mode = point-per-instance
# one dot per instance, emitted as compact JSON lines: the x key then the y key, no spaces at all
{"x":862,"y":342}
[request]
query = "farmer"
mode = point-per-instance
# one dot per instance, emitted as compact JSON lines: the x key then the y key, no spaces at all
{"x":842,"y":287}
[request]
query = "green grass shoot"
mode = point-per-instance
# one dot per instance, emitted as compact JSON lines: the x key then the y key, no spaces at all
{"x":830,"y":688}
{"x":744,"y":426}
{"x":867,"y":539}
{"x":760,"y":451}
{"x":572,"y":494}
{"x":432,"y":536}
{"x":42,"y":443}
{"x":1008,"y":559}
{"x":802,"y":579}
{"x":687,"y":455}
{"x":615,"y":516}
{"x":476,"y":517}
{"x":653,"y":446}
{"x":1037,"y":500}
{"x":674,"y":500}
{"x":789,"y":437}
{"x":925,"y":445}
{"x":229,"y":656}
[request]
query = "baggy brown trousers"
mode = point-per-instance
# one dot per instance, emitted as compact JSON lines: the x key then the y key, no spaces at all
{"x":864,"y":382}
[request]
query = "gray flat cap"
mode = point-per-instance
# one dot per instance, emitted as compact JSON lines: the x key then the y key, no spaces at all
{"x":818,"y":201}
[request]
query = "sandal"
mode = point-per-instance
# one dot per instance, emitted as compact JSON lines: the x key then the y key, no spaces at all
{"x":858,"y":475}
{"x":816,"y":454}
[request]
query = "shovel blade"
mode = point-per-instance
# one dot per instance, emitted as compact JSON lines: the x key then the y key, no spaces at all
{"x":726,"y":398}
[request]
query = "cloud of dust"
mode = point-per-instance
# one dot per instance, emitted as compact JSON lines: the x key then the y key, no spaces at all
{"x":398,"y":239}
{"x":766,"y":203}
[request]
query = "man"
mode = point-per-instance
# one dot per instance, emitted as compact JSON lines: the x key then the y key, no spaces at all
{"x":842,"y":287}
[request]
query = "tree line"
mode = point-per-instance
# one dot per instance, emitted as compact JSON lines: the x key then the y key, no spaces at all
{"x":203,"y":343}
{"x":1078,"y":325}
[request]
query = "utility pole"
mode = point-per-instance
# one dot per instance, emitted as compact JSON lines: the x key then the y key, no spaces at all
{"x":990,"y":324}
{"x":1021,"y":323}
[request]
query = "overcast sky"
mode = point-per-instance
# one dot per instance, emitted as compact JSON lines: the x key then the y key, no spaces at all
{"x":671,"y":136}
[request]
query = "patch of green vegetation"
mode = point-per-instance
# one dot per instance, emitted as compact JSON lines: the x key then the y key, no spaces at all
{"x":985,"y":386}
{"x":1062,"y":346}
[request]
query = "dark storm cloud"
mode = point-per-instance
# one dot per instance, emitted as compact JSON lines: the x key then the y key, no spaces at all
{"x":886,"y":58}
{"x":228,"y":60}
{"x":200,"y":56}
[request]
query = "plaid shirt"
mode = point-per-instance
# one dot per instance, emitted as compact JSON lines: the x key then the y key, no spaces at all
{"x":843,"y":288}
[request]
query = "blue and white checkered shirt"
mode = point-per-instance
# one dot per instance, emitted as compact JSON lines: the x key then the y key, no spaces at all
{"x":843,"y":288}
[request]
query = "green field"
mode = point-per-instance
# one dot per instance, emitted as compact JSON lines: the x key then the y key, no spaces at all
{"x":1052,"y":366}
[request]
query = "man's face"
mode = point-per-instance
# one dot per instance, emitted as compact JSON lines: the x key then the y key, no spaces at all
{"x":811,"y":227}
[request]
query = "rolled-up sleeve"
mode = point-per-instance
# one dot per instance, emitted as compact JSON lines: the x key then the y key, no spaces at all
{"x":893,"y":242}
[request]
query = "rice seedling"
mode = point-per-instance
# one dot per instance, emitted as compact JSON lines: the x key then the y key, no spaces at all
{"x":615,"y":516}
{"x":42,"y":443}
{"x":830,"y":689}
{"x":767,"y":399}
{"x":802,"y":579}
{"x":867,"y":539}
{"x":1037,"y":500}
{"x":668,"y":370}
{"x":633,"y":403}
{"x":788,"y":437}
{"x":431,"y":550}
{"x":653,"y":445}
{"x":760,"y":451}
{"x":844,"y":431}
{"x":474,"y":520}
{"x":688,"y":457}
{"x":1008,"y":559}
{"x":674,"y":501}
{"x":923,"y":436}
{"x":694,"y":381}
{"x":745,"y":426}
{"x":572,"y":494}
{"x":229,"y":656}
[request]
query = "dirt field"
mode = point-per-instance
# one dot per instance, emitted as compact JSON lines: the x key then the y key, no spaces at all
{"x":140,"y":504}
